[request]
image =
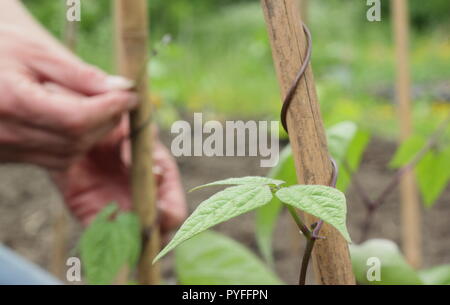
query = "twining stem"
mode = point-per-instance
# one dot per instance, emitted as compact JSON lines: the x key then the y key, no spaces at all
{"x":305,"y":261}
{"x":373,"y":204}
{"x":311,"y":237}
{"x":367,"y":224}
{"x":358,"y":187}
{"x":290,"y":45}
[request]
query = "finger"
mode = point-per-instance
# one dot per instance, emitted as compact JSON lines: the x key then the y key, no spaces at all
{"x":64,"y":112}
{"x":118,"y":134}
{"x":87,"y":187}
{"x":94,"y":111}
{"x":126,"y":152}
{"x":171,"y":218}
{"x":81,"y":146}
{"x":55,"y":88}
{"x":69,"y":71}
{"x":172,"y":202}
{"x":51,"y":162}
{"x":18,"y":136}
{"x":111,"y":134}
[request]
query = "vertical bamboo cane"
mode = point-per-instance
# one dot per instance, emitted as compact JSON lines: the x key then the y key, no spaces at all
{"x":295,"y":241}
{"x":331,"y":257}
{"x":70,"y":35}
{"x":304,"y":7}
{"x":410,"y":207}
{"x":132,"y":50}
{"x":60,"y":225}
{"x":59,"y":249}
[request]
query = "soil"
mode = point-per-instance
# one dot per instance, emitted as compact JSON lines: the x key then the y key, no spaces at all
{"x":29,"y":203}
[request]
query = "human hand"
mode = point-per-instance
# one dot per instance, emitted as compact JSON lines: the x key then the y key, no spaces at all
{"x":51,"y":128}
{"x":170,"y":194}
{"x":102,"y":177}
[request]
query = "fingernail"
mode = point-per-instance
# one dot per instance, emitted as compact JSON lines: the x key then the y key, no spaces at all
{"x":157,"y":170}
{"x":115,"y":82}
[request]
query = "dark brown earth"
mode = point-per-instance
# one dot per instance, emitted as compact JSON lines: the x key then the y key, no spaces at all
{"x":28,"y":202}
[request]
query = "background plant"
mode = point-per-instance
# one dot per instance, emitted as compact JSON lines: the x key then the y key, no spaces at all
{"x":218,"y":61}
{"x":354,"y":73}
{"x":249,"y":193}
{"x":394,"y":268}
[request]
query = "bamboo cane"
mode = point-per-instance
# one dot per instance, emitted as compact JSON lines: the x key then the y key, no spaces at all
{"x":295,"y":241}
{"x":304,"y":7}
{"x":60,"y":225}
{"x":410,"y":207}
{"x":331,"y":257}
{"x":132,"y":50}
{"x":70,"y":35}
{"x":59,"y":249}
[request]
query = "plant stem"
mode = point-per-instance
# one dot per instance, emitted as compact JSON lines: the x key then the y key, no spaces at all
{"x":316,"y":230}
{"x":367,"y":224}
{"x":305,"y":261}
{"x":373,"y":205}
{"x":290,"y":49}
{"x":311,"y":237}
{"x":358,"y":187}
{"x":302,"y":227}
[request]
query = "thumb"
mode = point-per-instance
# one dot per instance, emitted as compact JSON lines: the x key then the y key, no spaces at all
{"x":70,"y":72}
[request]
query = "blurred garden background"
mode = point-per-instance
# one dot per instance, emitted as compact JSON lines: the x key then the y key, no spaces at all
{"x":213,"y":56}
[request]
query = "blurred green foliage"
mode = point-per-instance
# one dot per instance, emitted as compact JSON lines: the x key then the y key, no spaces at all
{"x":433,"y":169}
{"x":424,"y":14}
{"x":109,"y":244}
{"x":385,"y":256}
{"x":382,"y":257}
{"x":219,"y":60}
{"x":211,"y":258}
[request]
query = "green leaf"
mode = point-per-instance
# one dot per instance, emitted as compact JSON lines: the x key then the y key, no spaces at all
{"x":339,"y":137}
{"x":242,"y":181}
{"x":285,"y":169}
{"x":345,"y":141}
{"x":110,"y":243}
{"x":129,"y":229}
{"x":213,"y":259}
{"x":433,"y":175}
{"x":394,"y":270}
{"x":439,"y":275}
{"x":432,"y":171}
{"x":353,"y":158}
{"x":347,"y":144}
{"x":407,"y":150}
{"x":324,"y":202}
{"x":266,"y":219}
{"x":267,"y":215}
{"x":222,"y":206}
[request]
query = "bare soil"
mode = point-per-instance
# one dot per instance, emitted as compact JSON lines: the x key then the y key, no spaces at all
{"x":28,"y":202}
